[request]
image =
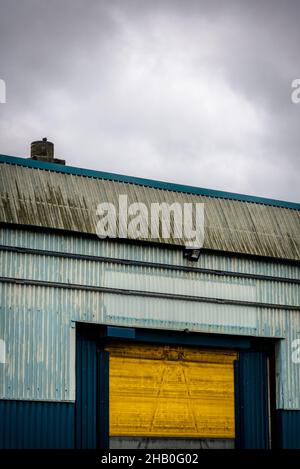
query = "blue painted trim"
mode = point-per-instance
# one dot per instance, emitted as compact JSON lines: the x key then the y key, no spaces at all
{"x":121,"y":332}
{"x":145,"y":182}
{"x":167,"y":336}
{"x":103,"y":400}
{"x":162,"y":336}
{"x":237,"y":405}
{"x":86,"y":392}
{"x":251,"y":393}
{"x":191,"y":338}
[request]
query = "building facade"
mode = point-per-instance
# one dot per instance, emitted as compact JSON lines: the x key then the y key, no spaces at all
{"x":128,"y":343}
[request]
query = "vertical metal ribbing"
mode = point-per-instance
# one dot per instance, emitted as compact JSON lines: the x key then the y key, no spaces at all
{"x":252,"y":408}
{"x":103,"y":400}
{"x":86,"y":396}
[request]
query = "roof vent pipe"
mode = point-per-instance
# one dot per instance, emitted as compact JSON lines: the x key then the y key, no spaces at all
{"x":43,"y":150}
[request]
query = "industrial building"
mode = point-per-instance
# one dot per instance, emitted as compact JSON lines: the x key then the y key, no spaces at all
{"x":126,"y":343}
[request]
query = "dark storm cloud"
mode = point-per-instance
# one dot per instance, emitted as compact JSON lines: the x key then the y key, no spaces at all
{"x":188,"y":91}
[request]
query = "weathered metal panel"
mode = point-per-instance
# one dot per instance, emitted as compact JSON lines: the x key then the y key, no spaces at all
{"x":75,"y":244}
{"x":39,"y":332}
{"x":288,"y":369}
{"x":38,"y":425}
{"x":38,"y":164}
{"x":179,"y":315}
{"x":38,"y":335}
{"x":52,"y":380}
{"x":50,"y":199}
{"x":147,"y":279}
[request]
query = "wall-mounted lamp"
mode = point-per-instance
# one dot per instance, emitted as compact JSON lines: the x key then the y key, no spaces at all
{"x":191,"y":254}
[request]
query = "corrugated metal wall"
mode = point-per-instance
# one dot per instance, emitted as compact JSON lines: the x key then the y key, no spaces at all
{"x":40,"y":335}
{"x":288,"y":423}
{"x":86,"y":399}
{"x":38,"y":425}
{"x":158,"y":280}
{"x":76,"y":244}
{"x":252,"y":401}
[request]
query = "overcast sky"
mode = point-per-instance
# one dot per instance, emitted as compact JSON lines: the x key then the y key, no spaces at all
{"x":194,"y":92}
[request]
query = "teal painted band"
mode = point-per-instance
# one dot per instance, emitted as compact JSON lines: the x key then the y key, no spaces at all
{"x":27,"y":162}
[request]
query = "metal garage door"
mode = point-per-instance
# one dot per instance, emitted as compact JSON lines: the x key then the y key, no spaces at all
{"x":170,"y":392}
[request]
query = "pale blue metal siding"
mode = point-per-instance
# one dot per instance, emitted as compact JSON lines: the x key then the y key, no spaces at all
{"x":40,"y":332}
{"x":152,"y":279}
{"x":76,"y":244}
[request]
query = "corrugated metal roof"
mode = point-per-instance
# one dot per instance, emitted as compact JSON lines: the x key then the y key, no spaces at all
{"x":30,"y":163}
{"x":38,"y":195}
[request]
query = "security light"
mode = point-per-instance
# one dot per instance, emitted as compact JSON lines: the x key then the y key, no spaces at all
{"x":192,"y":254}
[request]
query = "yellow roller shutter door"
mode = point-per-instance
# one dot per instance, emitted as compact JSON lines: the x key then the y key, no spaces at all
{"x":166,"y":391}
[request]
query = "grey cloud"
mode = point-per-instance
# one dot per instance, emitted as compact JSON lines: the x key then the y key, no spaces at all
{"x":188,"y":91}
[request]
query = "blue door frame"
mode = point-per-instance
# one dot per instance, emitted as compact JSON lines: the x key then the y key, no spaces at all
{"x":252,"y":400}
{"x":252,"y":414}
